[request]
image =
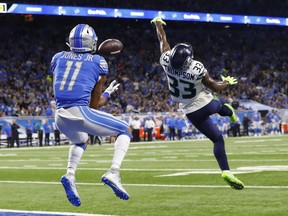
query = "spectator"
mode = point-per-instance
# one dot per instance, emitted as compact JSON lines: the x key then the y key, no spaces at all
{"x":136,"y":124}
{"x":15,"y":134}
{"x":145,"y":129}
{"x":8,"y":131}
{"x":47,"y":131}
{"x":180,"y":124}
{"x":171,"y":125}
{"x":257,"y":123}
{"x":29,"y":131}
{"x":39,"y":127}
{"x":56,"y":134}
{"x":150,"y":125}
{"x":246,"y":123}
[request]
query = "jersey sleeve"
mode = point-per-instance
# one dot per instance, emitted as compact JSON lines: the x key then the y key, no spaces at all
{"x":198,"y":69}
{"x":53,"y":63}
{"x":103,"y":66}
{"x":165,"y":58}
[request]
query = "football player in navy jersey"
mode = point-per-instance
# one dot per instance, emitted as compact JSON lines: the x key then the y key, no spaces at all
{"x":187,"y":79}
{"x":78,"y":77}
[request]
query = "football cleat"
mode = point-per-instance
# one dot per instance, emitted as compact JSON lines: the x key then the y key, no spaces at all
{"x":114,"y":181}
{"x":68,"y":182}
{"x":233,"y":118}
{"x":234,"y":182}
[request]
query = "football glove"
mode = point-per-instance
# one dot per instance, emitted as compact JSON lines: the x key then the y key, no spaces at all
{"x":230,"y":80}
{"x":157,"y":19}
{"x":112,"y":87}
{"x":49,"y":78}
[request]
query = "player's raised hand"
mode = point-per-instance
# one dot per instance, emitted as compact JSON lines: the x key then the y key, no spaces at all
{"x":112,"y":87}
{"x":157,"y":19}
{"x":230,"y":80}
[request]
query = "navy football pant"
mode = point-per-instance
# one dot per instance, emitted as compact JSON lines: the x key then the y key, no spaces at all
{"x":201,"y":120}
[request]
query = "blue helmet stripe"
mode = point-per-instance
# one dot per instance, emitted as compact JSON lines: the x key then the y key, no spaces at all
{"x":78,"y":36}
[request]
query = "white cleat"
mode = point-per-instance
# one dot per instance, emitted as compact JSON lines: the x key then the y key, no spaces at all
{"x":68,"y":182}
{"x":114,"y":181}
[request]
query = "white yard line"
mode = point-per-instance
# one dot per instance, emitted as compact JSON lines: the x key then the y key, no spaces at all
{"x":149,"y":185}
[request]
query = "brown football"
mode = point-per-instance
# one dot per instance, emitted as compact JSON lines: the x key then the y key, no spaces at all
{"x":110,"y":47}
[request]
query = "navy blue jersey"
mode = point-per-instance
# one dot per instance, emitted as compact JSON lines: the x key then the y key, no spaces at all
{"x":75,"y":75}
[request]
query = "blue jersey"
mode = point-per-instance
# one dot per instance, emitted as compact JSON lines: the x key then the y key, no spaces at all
{"x":47,"y":128}
{"x":180,"y":124}
{"x":275,"y":118}
{"x":256,"y":116}
{"x":29,"y":128}
{"x":8,"y":131}
{"x":269,"y":116}
{"x":75,"y":75}
{"x":220,"y":121}
{"x":171,"y":122}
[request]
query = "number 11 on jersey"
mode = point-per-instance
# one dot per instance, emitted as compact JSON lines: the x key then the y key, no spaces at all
{"x":75,"y":71}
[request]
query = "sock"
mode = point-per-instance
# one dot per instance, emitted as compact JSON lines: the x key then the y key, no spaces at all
{"x":220,"y":153}
{"x":75,"y":153}
{"x":120,"y":148}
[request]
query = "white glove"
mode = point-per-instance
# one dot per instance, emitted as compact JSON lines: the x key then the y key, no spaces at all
{"x":112,"y":87}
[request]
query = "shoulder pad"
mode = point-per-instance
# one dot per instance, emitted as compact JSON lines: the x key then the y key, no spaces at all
{"x":165,"y":58}
{"x":198,"y":69}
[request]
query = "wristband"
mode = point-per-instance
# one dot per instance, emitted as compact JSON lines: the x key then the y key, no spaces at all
{"x":106,"y":95}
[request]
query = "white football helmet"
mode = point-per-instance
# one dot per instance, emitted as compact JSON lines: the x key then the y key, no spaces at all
{"x":83,"y":38}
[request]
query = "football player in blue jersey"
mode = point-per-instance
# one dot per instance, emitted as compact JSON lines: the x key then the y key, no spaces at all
{"x":78,"y":77}
{"x":187,"y":79}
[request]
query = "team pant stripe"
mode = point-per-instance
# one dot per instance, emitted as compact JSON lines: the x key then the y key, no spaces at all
{"x":104,"y":121}
{"x":103,"y":114}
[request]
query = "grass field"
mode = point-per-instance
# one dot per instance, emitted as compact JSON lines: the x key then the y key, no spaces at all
{"x":162,"y":178}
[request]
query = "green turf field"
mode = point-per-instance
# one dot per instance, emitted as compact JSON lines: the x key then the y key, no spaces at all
{"x":162,"y":178}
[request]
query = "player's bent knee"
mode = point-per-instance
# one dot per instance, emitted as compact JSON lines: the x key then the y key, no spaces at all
{"x":129,"y":130}
{"x":82,"y":145}
{"x":218,"y":138}
{"x":129,"y":134}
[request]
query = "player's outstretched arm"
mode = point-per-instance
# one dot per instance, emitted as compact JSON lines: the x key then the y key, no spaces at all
{"x":218,"y":86}
{"x":99,"y":99}
{"x":161,"y":34}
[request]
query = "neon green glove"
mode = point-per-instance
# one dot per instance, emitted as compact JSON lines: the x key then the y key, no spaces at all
{"x":158,"y":19}
{"x":49,"y":78}
{"x":230,"y":80}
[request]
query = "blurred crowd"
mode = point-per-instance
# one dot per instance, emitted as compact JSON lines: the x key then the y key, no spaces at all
{"x":256,"y":55}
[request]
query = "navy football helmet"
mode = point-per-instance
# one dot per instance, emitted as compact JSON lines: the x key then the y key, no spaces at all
{"x":181,"y":56}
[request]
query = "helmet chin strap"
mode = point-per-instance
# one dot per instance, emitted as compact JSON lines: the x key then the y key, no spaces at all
{"x":68,"y":44}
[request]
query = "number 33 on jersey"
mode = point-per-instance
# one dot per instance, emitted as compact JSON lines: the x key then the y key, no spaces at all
{"x":185,"y":85}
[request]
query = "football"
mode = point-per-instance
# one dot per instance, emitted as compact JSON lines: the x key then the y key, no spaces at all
{"x":110,"y":47}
